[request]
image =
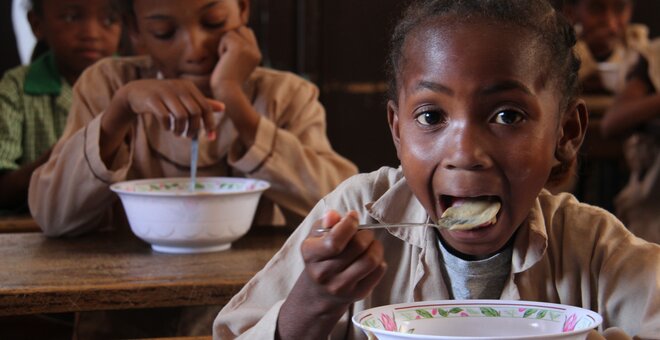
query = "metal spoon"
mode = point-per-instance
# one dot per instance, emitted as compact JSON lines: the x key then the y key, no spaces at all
{"x":443,"y":223}
{"x":194,"y":151}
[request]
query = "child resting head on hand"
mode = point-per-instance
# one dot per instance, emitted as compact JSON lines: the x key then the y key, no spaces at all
{"x":483,"y":107}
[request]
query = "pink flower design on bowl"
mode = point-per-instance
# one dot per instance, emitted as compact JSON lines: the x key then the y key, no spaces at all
{"x":388,"y":322}
{"x":570,"y":323}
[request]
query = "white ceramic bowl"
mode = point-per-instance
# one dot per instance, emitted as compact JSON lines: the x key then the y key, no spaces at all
{"x":173,"y":219}
{"x":477,"y":319}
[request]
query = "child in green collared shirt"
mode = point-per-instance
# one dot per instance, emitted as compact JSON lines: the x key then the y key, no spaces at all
{"x":35,"y":99}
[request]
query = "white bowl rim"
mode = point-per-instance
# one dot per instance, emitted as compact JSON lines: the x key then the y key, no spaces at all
{"x":598,"y":319}
{"x":261,"y":185}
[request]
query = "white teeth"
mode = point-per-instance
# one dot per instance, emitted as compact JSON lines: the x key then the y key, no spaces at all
{"x":470,"y":214}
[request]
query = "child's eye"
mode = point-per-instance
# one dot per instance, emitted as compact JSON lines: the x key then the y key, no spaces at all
{"x":508,"y":117}
{"x":429,"y":118}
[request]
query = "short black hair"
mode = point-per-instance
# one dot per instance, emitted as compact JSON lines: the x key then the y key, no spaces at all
{"x":535,"y":16}
{"x":554,"y":33}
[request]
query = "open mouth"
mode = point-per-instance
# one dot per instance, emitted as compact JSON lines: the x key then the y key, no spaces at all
{"x":468,"y":213}
{"x":447,"y":201}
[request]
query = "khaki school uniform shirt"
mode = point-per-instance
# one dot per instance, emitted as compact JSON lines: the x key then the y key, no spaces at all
{"x":70,"y":193}
{"x":565,"y":252}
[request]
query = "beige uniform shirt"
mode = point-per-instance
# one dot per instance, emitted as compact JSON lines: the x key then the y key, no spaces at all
{"x":70,"y":193}
{"x":566,"y":252}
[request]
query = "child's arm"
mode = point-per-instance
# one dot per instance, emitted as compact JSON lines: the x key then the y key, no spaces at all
{"x":281,"y":127}
{"x":632,"y":107}
{"x":341,"y":267}
{"x":239,"y":56}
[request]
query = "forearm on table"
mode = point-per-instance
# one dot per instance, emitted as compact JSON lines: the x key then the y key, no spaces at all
{"x":624,"y":117}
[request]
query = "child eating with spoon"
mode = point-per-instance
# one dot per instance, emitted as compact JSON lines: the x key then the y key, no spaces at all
{"x":474,"y":119}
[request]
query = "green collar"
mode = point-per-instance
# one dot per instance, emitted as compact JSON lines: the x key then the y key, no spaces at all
{"x":42,"y":76}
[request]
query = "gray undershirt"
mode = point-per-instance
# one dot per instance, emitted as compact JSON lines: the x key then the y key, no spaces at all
{"x":479,"y":279}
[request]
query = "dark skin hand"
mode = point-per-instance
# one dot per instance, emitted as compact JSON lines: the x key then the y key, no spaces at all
{"x":341,"y":267}
{"x":174,"y":101}
{"x":14,"y":184}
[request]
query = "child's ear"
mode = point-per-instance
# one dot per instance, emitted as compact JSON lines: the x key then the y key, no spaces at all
{"x":36,"y":24}
{"x":244,"y":6}
{"x":571,"y":131}
{"x":393,"y":121}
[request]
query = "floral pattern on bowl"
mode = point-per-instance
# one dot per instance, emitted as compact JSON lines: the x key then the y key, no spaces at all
{"x":401,"y":318}
{"x":181,"y":186}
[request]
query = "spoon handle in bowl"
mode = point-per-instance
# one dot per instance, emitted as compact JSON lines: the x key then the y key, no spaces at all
{"x":194,"y":151}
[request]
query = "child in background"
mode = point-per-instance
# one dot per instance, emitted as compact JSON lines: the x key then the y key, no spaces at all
{"x":608,"y":45}
{"x":35,"y":99}
{"x":635,"y":114}
{"x":134,"y":118}
{"x":473,"y":119}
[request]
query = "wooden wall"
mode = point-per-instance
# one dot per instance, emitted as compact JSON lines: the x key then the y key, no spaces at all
{"x":341,"y":46}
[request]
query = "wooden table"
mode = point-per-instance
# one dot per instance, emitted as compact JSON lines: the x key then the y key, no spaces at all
{"x":115,"y":270}
{"x":18,"y":224}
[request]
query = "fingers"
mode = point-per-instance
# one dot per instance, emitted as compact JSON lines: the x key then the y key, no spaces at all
{"x":333,"y":243}
{"x":179,"y":105}
{"x":368,"y":265}
{"x":180,"y":115}
{"x":240,"y":36}
{"x":247,"y":34}
{"x":344,"y":262}
{"x":196,"y":108}
{"x":344,"y":258}
{"x":212,"y":120}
